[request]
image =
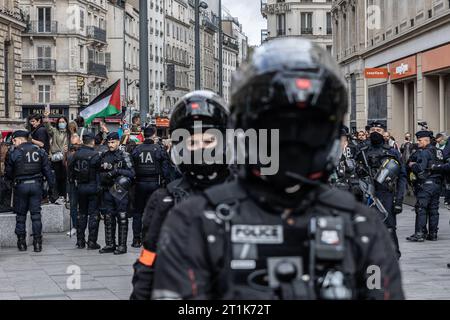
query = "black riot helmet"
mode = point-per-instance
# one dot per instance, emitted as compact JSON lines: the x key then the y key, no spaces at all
{"x":294,"y":86}
{"x":200,"y":112}
{"x":199,"y":106}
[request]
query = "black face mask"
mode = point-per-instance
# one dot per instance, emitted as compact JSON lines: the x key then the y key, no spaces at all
{"x":204,"y":174}
{"x":376,"y":138}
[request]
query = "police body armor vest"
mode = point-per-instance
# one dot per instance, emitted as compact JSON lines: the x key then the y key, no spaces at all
{"x":437,"y":157}
{"x":83,"y":170}
{"x":146,"y":166}
{"x":375,"y":157}
{"x":257,"y":240}
{"x":30,"y":162}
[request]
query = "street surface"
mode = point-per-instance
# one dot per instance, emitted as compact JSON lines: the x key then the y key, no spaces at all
{"x":30,"y":275}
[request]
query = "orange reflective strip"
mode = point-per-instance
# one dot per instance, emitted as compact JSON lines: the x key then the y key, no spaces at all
{"x":147,"y":258}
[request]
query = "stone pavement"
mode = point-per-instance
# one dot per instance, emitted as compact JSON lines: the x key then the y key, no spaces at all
{"x":424,"y":265}
{"x":28,"y":275}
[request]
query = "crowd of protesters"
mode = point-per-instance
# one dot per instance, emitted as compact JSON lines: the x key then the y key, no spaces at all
{"x":61,"y":139}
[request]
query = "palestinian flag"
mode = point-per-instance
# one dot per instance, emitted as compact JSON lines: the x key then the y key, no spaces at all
{"x":105,"y":105}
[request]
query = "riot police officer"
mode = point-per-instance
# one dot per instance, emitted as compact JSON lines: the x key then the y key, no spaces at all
{"x":83,"y":173}
{"x":26,"y":166}
{"x":116,"y":174}
{"x":345,"y":176}
{"x":285,"y":235}
{"x":428,"y":186}
{"x":390,"y":186}
{"x":151,"y":164}
{"x":210,"y":108}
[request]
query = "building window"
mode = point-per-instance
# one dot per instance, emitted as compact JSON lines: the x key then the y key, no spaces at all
{"x":281,"y":24}
{"x":82,"y":20}
{"x":353,"y":124}
{"x":44,"y":93}
{"x":378,"y":104}
{"x":81,"y":57}
{"x":44,"y":19}
{"x":329,"y":30}
{"x":306,"y":23}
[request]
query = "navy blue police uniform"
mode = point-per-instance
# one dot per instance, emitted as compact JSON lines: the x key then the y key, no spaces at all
{"x":83,"y":174}
{"x":390,"y":194}
{"x":428,"y":189}
{"x":26,"y":166}
{"x":116,"y":173}
{"x":152,"y":167}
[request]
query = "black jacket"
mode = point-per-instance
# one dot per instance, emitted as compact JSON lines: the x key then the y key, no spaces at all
{"x":195,"y":246}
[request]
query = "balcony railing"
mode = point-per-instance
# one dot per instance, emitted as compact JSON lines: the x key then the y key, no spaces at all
{"x":39,"y":65}
{"x":42,"y":27}
{"x":96,"y":69}
{"x":307,"y":30}
{"x":264,"y":8}
{"x":329,"y":31}
{"x":96,"y":33}
{"x":208,"y":24}
{"x":231,"y":45}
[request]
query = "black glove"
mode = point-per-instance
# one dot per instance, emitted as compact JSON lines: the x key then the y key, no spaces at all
{"x":112,"y":174}
{"x":398,"y":207}
{"x":142,"y":282}
{"x":53,"y":195}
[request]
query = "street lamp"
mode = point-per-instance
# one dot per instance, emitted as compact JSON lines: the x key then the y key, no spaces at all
{"x":197,"y":6}
{"x":220,"y":50}
{"x":143,"y":59}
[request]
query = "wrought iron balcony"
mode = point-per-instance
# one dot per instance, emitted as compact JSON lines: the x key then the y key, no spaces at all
{"x":96,"y":33}
{"x":208,"y":24}
{"x":264,"y":8}
{"x":42,"y":27}
{"x":96,"y":69}
{"x":231,"y":45}
{"x":39,"y":65}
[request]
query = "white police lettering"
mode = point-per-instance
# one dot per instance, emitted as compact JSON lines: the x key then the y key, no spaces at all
{"x":257,"y":234}
{"x":243,"y":264}
{"x":33,"y":156}
{"x":330,"y":237}
{"x":146,"y":157}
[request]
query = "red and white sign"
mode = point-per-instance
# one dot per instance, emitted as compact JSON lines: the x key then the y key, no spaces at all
{"x":404,"y":68}
{"x":376,"y":73}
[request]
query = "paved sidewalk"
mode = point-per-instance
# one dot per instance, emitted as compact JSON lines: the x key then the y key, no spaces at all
{"x":424,"y":265}
{"x":28,"y":275}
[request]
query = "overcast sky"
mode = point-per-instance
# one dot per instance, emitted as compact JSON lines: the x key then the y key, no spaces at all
{"x":249,"y":15}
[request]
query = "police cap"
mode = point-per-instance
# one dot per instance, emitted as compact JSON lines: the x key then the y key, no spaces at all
{"x":345,"y":131}
{"x":20,"y":134}
{"x":113,"y":136}
{"x":377,"y":124}
{"x":424,"y":134}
